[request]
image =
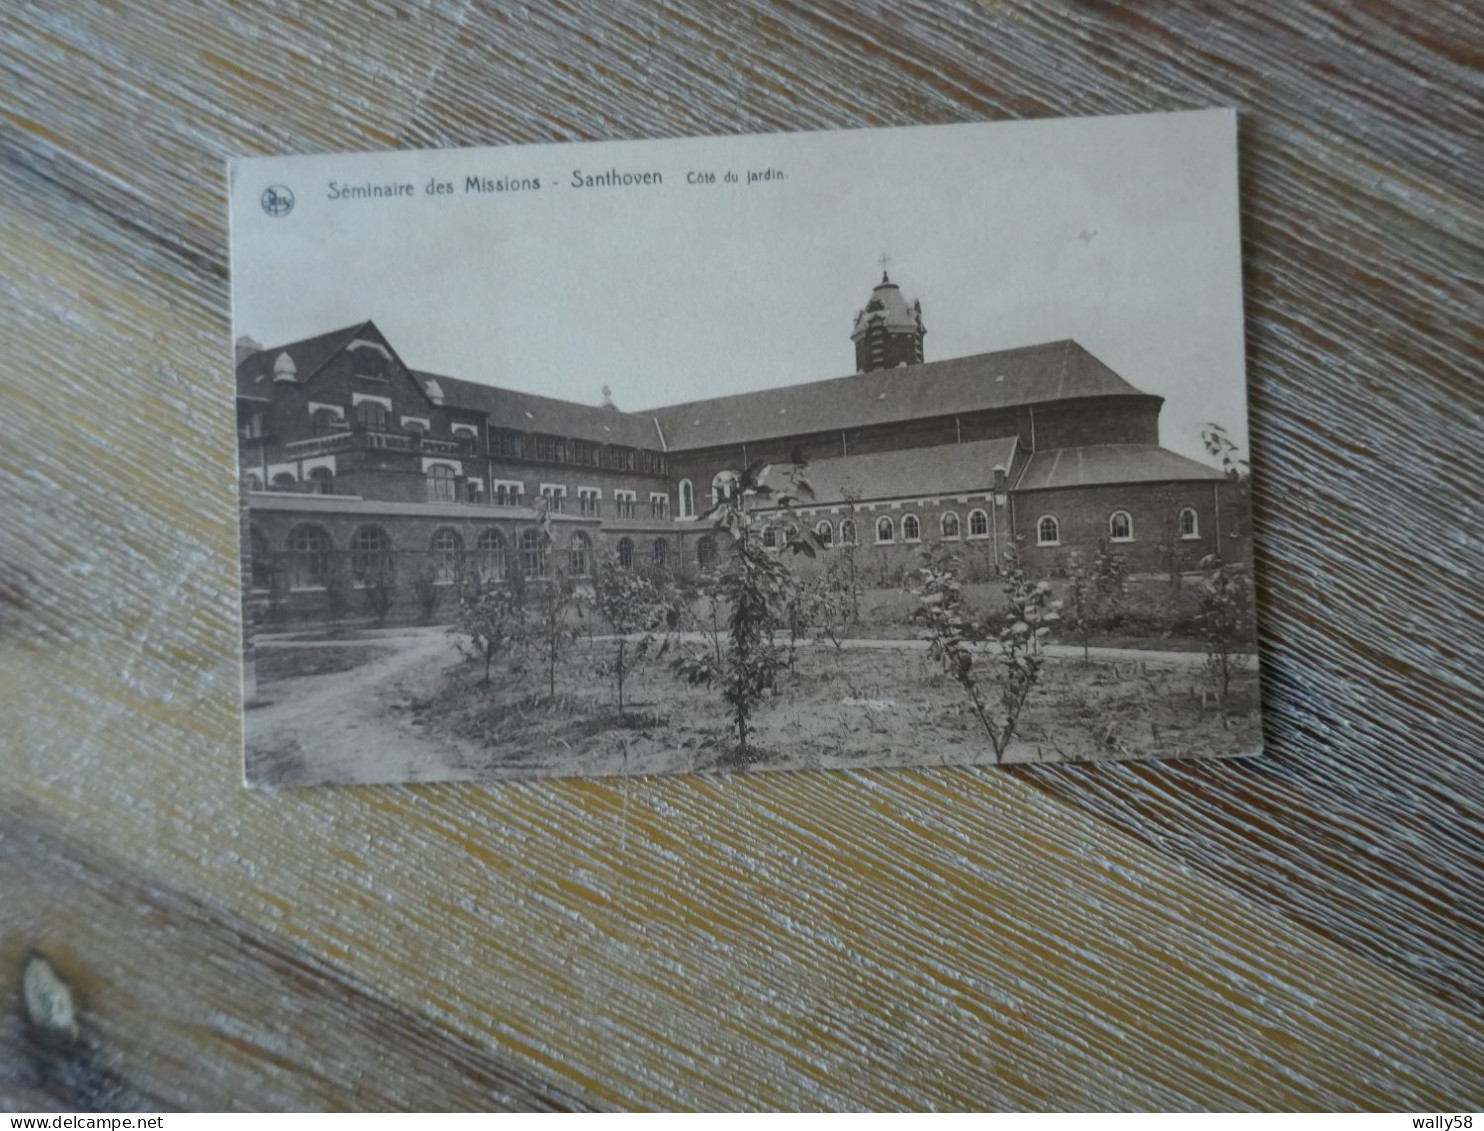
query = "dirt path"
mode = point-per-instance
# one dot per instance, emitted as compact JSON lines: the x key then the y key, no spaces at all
{"x":352,"y":719}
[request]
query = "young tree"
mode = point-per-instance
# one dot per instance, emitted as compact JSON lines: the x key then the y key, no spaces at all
{"x":1095,"y":592}
{"x":336,"y":603}
{"x":1227,"y":626}
{"x":1238,"y":517}
{"x":845,"y":567}
{"x":755,"y":586}
{"x":1013,"y":642}
{"x":427,"y":592}
{"x":553,"y":605}
{"x":490,"y":619}
{"x":378,"y":593}
{"x":632,"y":604}
{"x":1171,"y":549}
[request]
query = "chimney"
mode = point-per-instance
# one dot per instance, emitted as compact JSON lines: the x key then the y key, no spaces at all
{"x":608,"y":398}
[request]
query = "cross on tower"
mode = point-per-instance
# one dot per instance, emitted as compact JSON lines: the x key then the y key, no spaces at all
{"x":885,"y":262}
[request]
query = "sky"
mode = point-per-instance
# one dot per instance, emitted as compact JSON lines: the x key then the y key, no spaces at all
{"x":1121,"y":233}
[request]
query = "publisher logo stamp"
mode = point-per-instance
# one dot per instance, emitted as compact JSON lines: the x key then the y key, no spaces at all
{"x":277,"y":200}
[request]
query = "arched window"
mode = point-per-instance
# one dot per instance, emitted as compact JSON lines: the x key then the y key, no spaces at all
{"x":885,"y":532}
{"x":491,"y":548}
{"x":950,"y":525}
{"x":532,"y":557}
{"x":706,"y":552}
{"x":371,"y":415}
{"x":370,"y":553}
{"x":687,"y":499}
{"x":660,"y":556}
{"x":326,"y":421}
{"x":448,"y":557}
{"x":441,"y":485}
{"x":1121,"y":526}
{"x":1190,"y":526}
{"x":847,"y":532}
{"x":978,"y":524}
{"x":826,"y":534}
{"x":722,"y":486}
{"x":309,"y":557}
{"x":413,"y":426}
{"x":580,"y":554}
{"x":1048,"y":531}
{"x":626,"y":553}
{"x":770,"y":537}
{"x":911,"y":529}
{"x":284,"y":481}
{"x":254,"y":481}
{"x":322,"y":480}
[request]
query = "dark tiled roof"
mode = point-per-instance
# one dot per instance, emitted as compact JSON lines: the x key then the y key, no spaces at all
{"x":1110,"y":463}
{"x":508,"y":408}
{"x":1029,"y":375}
{"x":255,"y":372}
{"x":946,"y":469}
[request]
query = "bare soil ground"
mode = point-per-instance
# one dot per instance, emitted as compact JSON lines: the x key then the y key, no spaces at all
{"x":413,"y":710}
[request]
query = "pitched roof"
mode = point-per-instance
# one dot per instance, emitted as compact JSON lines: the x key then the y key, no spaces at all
{"x":510,"y":408}
{"x":917,"y":472}
{"x":1110,"y":463}
{"x":255,"y":371}
{"x":1028,"y":375}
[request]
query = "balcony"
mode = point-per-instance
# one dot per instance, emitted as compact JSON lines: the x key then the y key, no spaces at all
{"x":379,"y":441}
{"x":320,"y":445}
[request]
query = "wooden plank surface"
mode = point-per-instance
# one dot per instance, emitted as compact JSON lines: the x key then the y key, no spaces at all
{"x":1305,"y":930}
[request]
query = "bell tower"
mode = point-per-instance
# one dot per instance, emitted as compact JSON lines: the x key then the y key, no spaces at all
{"x":889,"y":331}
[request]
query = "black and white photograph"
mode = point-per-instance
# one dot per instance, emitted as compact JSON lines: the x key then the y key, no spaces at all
{"x":872,"y":448}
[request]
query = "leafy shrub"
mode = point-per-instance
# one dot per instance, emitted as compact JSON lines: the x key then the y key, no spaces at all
{"x":378,"y":594}
{"x":427,"y":592}
{"x":1227,"y":625}
{"x":1012,"y":641}
{"x":632,"y":603}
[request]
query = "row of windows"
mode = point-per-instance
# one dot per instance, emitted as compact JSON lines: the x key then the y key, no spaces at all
{"x":1120,"y":527}
{"x":886,"y":530}
{"x":544,"y":447}
{"x":371,"y":555}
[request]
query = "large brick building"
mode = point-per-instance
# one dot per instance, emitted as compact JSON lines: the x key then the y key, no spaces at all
{"x":359,"y":464}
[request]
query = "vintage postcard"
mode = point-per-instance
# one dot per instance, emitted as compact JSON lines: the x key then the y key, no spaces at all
{"x":899,"y":447}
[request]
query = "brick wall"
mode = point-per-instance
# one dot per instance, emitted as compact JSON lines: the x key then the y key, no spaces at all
{"x":1083,"y":515}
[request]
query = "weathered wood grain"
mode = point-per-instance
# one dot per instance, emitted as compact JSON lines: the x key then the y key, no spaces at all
{"x":226,"y":1006}
{"x":1305,"y":930}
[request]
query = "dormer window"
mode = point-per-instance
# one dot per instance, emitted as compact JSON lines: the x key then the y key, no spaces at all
{"x":368,"y":360}
{"x":284,"y":368}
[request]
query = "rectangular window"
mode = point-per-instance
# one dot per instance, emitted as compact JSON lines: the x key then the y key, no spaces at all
{"x":506,"y":442}
{"x":548,"y":449}
{"x":586,"y":453}
{"x":651,"y":463}
{"x":554,"y":494}
{"x":659,"y":505}
{"x":623,"y":503}
{"x":589,"y":501}
{"x":507,"y":493}
{"x":620,"y":458}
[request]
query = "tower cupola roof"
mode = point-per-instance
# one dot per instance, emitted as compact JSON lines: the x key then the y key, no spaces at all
{"x":889,"y":308}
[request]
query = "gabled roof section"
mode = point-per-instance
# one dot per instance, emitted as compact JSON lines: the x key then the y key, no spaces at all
{"x":255,"y":371}
{"x":1105,"y":464}
{"x":947,"y":469}
{"x":1052,"y":371}
{"x":508,"y":408}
